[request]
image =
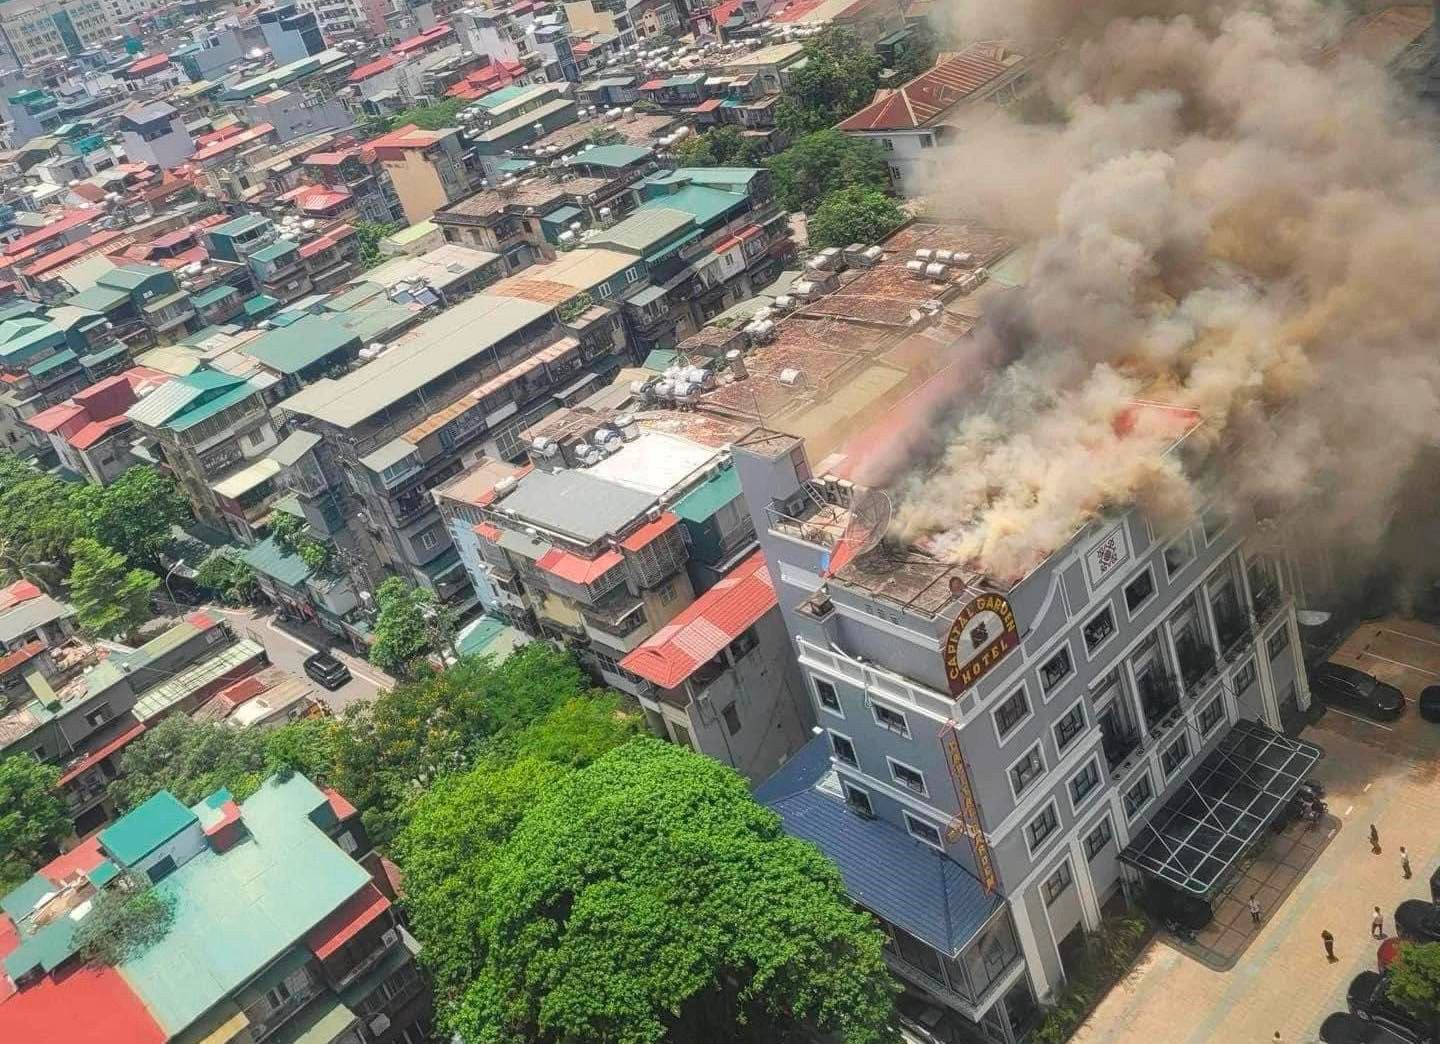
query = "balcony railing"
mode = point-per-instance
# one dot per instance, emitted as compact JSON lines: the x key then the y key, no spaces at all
{"x":1118,"y":746}
{"x":1197,"y":665}
{"x":1235,"y":633}
{"x":262,"y":1027}
{"x":1159,"y":698}
{"x":1267,"y":600}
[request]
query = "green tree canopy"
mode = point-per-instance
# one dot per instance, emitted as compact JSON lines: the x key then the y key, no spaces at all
{"x":854,"y":215}
{"x":111,"y":599}
{"x":33,"y":817}
{"x":823,"y":163}
{"x":370,"y":233}
{"x":719,"y":147}
{"x":225,"y":574}
{"x":647,"y":897}
{"x":404,"y":632}
{"x":1415,"y":981}
{"x":838,"y":79}
{"x":137,"y":513}
{"x":126,"y":918}
{"x":42,"y":516}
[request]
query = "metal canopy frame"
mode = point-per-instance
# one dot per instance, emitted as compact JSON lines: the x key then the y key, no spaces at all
{"x":1220,"y":810}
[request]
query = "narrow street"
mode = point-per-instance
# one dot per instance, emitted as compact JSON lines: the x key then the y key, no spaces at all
{"x":288,"y":648}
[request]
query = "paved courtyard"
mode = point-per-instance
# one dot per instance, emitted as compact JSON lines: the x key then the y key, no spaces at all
{"x":1384,"y":774}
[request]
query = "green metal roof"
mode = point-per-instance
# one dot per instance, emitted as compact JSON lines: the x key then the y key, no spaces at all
{"x":99,"y":298}
{"x":661,"y":359}
{"x":135,"y":835}
{"x":131,"y":277}
{"x":612,"y":157}
{"x":103,"y":873}
{"x":259,"y":305}
{"x":500,"y":97}
{"x":238,"y":911}
{"x":562,"y":215}
{"x":214,"y":295}
{"x":705,"y":205}
{"x":488,"y":636}
{"x":103,"y":355}
{"x":151,"y":307}
{"x":645,"y":229}
{"x":160,"y":699}
{"x":357,"y":293}
{"x":20,"y":901}
{"x":53,"y":362}
{"x":709,"y":497}
{"x":705,"y":176}
{"x":241,"y":225}
{"x":47,"y":949}
{"x":267,"y":557}
{"x":320,"y":1023}
{"x":275,"y":251}
{"x":516,"y":166}
{"x":206,"y":410}
{"x":302,"y":344}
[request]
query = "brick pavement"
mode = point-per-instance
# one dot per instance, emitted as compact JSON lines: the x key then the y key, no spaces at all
{"x":1282,"y":981}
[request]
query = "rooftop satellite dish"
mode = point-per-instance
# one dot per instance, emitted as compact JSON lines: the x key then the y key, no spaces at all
{"x":869,"y":521}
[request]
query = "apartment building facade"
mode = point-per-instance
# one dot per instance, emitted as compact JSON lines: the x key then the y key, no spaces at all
{"x":426,"y":168}
{"x":42,"y":30}
{"x":1040,"y":736}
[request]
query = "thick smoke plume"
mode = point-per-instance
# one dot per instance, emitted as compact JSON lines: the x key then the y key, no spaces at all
{"x":1235,"y":217}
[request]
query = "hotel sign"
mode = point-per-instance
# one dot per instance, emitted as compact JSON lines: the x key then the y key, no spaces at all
{"x":967,"y":821}
{"x":982,"y":635}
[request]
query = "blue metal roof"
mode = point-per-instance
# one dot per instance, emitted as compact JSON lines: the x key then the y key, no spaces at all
{"x":885,"y":870}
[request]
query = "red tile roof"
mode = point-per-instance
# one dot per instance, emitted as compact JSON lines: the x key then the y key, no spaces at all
{"x":20,"y":656}
{"x":19,"y":591}
{"x":97,"y":430}
{"x":50,"y":231}
{"x":343,"y":809}
{"x":650,"y":531}
{"x":146,"y":66}
{"x":577,"y":570}
{"x":489,"y":532}
{"x":234,"y":141}
{"x":954,"y":78}
{"x":91,"y":244}
{"x":81,"y":859}
{"x":95,"y":757}
{"x":708,"y":105}
{"x":55,"y":417}
{"x":375,"y":68}
{"x":713,"y":621}
{"x":320,"y":198}
{"x":87,"y":1005}
{"x":407,"y":137}
{"x":432,"y":35}
{"x":345,"y":923}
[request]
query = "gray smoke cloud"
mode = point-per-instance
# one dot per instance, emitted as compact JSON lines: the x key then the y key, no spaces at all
{"x":1234,"y":217}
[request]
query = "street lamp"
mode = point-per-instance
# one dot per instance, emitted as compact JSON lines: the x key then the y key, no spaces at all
{"x":169,"y":592}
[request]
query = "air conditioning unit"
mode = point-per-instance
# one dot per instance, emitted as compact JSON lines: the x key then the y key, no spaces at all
{"x":380,"y":1023}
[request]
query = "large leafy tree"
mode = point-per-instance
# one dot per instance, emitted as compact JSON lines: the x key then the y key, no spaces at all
{"x":838,"y":79}
{"x":125,"y":919}
{"x":41,"y":517}
{"x":370,"y":234}
{"x":645,"y":897}
{"x":720,"y":147}
{"x":111,"y":599}
{"x":33,"y":817}
{"x":137,"y":513}
{"x":854,"y":215}
{"x":1415,"y":981}
{"x":823,"y":163}
{"x":406,"y":627}
{"x":225,"y":574}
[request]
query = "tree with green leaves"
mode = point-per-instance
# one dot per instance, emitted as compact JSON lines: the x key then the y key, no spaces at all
{"x":33,"y":817}
{"x":838,"y":79}
{"x":823,"y":163}
{"x":1415,"y":982}
{"x":854,"y":215}
{"x":227,"y":576}
{"x":370,"y":234}
{"x":718,"y":147}
{"x":137,"y":514}
{"x":42,"y":516}
{"x":642,"y":898}
{"x":600,"y":134}
{"x":111,"y":599}
{"x":405,"y":627}
{"x":916,"y":54}
{"x":193,"y":759}
{"x":126,"y":918}
{"x":436,"y":115}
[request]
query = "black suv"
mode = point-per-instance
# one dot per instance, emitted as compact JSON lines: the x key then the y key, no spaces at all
{"x":1355,"y":690}
{"x":1340,"y":1028}
{"x":1368,"y":999}
{"x":1418,"y":921}
{"x":327,"y":670}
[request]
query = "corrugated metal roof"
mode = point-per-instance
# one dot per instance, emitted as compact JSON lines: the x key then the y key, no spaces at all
{"x":903,"y":880}
{"x":575,"y":504}
{"x":295,"y":446}
{"x":934,"y":92}
{"x":302,"y":344}
{"x":706,"y":626}
{"x":247,"y":478}
{"x":266,"y":557}
{"x":645,"y":229}
{"x":160,"y":699}
{"x":612,"y":157}
{"x":138,"y":833}
{"x":709,"y":497}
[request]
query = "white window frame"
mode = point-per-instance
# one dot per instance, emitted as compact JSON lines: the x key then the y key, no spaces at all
{"x":1060,"y":747}
{"x":1154,"y":590}
{"x":1030,"y":844}
{"x":1254,"y":672}
{"x":1283,"y":629}
{"x":1187,"y":538}
{"x":1018,"y":727}
{"x":1076,"y":804}
{"x":1204,"y":730}
{"x":1130,"y":814}
{"x":875,"y":706}
{"x":1035,"y":747}
{"x":924,"y":790}
{"x":840,"y":735}
{"x":1092,"y":651}
{"x":911,"y":819}
{"x":839,"y":709}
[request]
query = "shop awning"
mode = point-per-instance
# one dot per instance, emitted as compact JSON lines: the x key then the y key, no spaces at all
{"x":1220,"y":811}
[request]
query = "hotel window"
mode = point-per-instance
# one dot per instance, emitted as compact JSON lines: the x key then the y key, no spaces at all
{"x":1084,"y":782}
{"x":1027,"y":770}
{"x":1278,"y":642}
{"x":1056,"y":884}
{"x":1098,"y":838}
{"x":844,"y":750}
{"x":858,"y":800}
{"x":1138,"y":796}
{"x":1100,"y":627}
{"x":1212,"y":715}
{"x":1012,"y":712}
{"x":1070,"y":726}
{"x":1174,"y":755}
{"x":1041,"y":827}
{"x":1179,"y":554}
{"x":1056,"y":670}
{"x":1140,"y":590}
{"x":828,"y":697}
{"x":907,"y":777}
{"x":891,"y":719}
{"x":1245,"y":676}
{"x":923,"y":831}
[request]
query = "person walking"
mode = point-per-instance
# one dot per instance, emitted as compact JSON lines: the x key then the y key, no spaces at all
{"x":1374,"y":839}
{"x":1377,"y":924}
{"x":1404,"y":863}
{"x":1254,"y":911}
{"x":1329,"y":941}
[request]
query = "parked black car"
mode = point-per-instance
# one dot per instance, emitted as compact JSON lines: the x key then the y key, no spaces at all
{"x":1340,"y":1028}
{"x":327,"y":670}
{"x":1355,"y":690}
{"x":1418,"y":921}
{"x":1367,"y":999}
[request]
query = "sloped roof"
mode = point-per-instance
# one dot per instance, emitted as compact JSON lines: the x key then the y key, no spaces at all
{"x":933,"y":93}
{"x":707,"y":626}
{"x":903,"y":880}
